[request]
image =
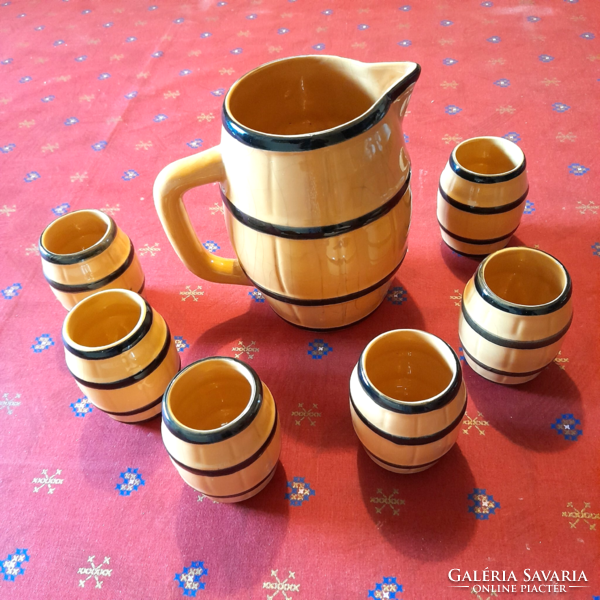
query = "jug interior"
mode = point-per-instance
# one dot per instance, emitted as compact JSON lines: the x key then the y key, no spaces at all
{"x":209,"y":395}
{"x":524,"y":276}
{"x":75,"y":232}
{"x":488,"y":155}
{"x":103,"y":319}
{"x":300,"y":96}
{"x":408,"y":366}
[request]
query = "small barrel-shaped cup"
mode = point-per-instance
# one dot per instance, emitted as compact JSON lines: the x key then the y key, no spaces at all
{"x":515,"y":311}
{"x":221,"y":429}
{"x":481,"y":195}
{"x":85,"y":252}
{"x":407,"y":399}
{"x":121,"y":354}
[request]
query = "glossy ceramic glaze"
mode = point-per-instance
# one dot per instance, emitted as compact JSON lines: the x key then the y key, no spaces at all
{"x":121,"y":353}
{"x":221,"y":429}
{"x":85,"y":252}
{"x":314,"y":177}
{"x":407,"y":399}
{"x":481,"y":195}
{"x":516,"y":310}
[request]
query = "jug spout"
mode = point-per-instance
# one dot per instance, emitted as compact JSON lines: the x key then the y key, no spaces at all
{"x":390,"y":80}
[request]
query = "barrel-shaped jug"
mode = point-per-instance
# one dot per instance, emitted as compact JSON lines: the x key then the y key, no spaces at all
{"x":315,"y":181}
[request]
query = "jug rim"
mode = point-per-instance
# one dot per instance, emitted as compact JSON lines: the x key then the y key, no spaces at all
{"x":326,"y":137}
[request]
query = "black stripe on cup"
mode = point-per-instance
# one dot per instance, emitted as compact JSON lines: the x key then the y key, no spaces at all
{"x":483,"y":210}
{"x":397,"y":466}
{"x":316,"y":233}
{"x":132,"y":379}
{"x":144,"y":420}
{"x":513,"y":344}
{"x":193,"y":436}
{"x":124,"y":345}
{"x":326,"y":301}
{"x":466,"y":254}
{"x":234,"y":468}
{"x":411,"y":408}
{"x":314,"y":141}
{"x":83,"y":255}
{"x":137,"y":411}
{"x":411,"y":441}
{"x":519,"y":309}
{"x":483,"y":178}
{"x":476,"y":242}
{"x":94,"y":285}
{"x":498,"y":371}
{"x":271,"y":472}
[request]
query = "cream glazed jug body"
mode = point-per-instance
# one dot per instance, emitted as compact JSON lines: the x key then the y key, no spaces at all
{"x":315,"y":182}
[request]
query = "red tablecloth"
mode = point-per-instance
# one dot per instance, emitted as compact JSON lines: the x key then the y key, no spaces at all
{"x":95,"y":98}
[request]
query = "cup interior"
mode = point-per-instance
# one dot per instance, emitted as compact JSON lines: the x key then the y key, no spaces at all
{"x":409,"y":365}
{"x":298,"y":96}
{"x":104,"y":319}
{"x":489,"y":156}
{"x":210,"y":394}
{"x":75,"y":232}
{"x":524,"y":276}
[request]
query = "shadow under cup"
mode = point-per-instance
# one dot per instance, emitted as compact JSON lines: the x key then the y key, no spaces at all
{"x":221,"y":429}
{"x":407,"y":399}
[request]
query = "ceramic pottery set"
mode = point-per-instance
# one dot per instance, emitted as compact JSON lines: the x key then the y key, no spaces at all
{"x":315,"y":181}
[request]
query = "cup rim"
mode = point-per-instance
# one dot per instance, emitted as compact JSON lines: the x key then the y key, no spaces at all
{"x":82,"y":255}
{"x":507,"y":146}
{"x":522,"y":309}
{"x":144,"y":321}
{"x":235,"y":426}
{"x":420,"y":406}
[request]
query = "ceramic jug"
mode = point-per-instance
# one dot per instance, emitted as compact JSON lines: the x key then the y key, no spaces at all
{"x":314,"y":177}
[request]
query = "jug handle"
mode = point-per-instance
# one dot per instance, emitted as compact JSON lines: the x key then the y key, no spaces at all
{"x":170,"y":185}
